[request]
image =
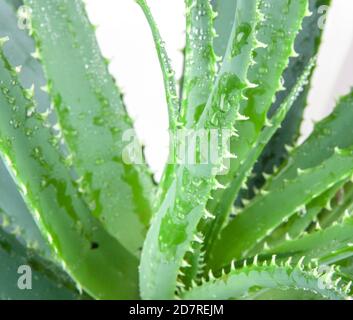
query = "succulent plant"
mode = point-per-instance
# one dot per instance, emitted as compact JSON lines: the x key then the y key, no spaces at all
{"x":254,"y":216}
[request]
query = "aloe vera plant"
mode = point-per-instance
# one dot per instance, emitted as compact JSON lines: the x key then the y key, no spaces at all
{"x":253,"y":215}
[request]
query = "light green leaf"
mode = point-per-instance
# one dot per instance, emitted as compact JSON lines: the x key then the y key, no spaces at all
{"x":274,"y":206}
{"x":326,"y":246}
{"x":279,"y":25}
{"x":18,"y":50}
{"x":251,"y":281}
{"x":306,"y":45}
{"x":93,"y":119}
{"x":223,"y":24}
{"x":43,"y":280}
{"x":174,"y":227}
{"x":93,"y":258}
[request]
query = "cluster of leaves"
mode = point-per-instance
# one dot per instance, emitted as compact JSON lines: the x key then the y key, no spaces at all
{"x":276,"y":225}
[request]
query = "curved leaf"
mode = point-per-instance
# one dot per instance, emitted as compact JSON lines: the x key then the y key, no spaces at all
{"x":299,"y":223}
{"x":223,"y":24}
{"x":253,"y":280}
{"x":200,"y":61}
{"x":45,"y":281}
{"x":32,"y":154}
{"x":94,"y":122}
{"x":277,"y":30}
{"x":306,"y":45}
{"x":332,"y":132}
{"x":327,"y":246}
{"x":167,"y":71}
{"x":174,"y":227}
{"x":265,"y":214}
{"x":18,"y":50}
{"x":333,"y":215}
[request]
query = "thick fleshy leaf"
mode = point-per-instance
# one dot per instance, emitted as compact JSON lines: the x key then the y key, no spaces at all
{"x":18,"y":50}
{"x":326,"y":246}
{"x":174,"y":227}
{"x":15,"y":216}
{"x":307,"y":45}
{"x":23,"y":275}
{"x":33,"y":155}
{"x":94,"y":122}
{"x":225,"y":11}
{"x":264,"y":214}
{"x":301,"y":222}
{"x":267,"y":133}
{"x":279,"y":25}
{"x":167,"y":71}
{"x":260,"y":218}
{"x":342,"y":205}
{"x":200,"y":60}
{"x":252,"y":281}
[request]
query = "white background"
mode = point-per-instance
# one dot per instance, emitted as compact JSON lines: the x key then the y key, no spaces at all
{"x":125,"y":38}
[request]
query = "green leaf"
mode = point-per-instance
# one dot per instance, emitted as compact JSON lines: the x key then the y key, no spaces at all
{"x":343,"y":205}
{"x":277,"y":30}
{"x":199,"y":74}
{"x":167,"y":71}
{"x":251,"y":281}
{"x":93,"y":119}
{"x":346,"y":268}
{"x":46,"y":281}
{"x":200,"y":60}
{"x":14,"y":3}
{"x":18,"y":50}
{"x":273,"y":124}
{"x":299,"y":223}
{"x":330,"y":133}
{"x":326,"y":246}
{"x":15,"y":216}
{"x":275,"y":205}
{"x":223,"y":24}
{"x":306,"y":45}
{"x":174,"y":226}
{"x":93,"y":258}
